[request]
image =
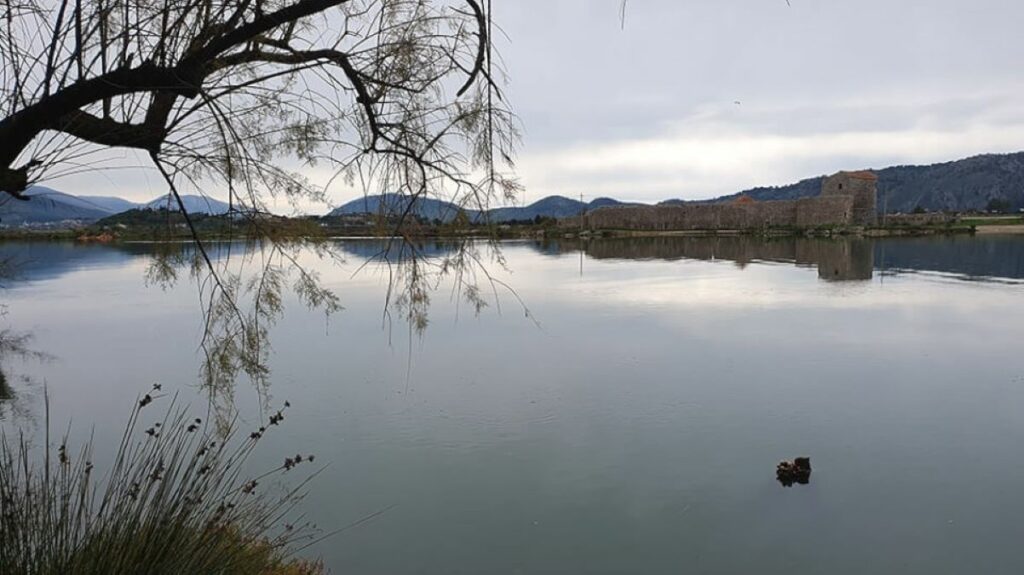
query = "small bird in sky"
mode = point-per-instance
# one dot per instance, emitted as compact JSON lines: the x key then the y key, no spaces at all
{"x":737,"y":102}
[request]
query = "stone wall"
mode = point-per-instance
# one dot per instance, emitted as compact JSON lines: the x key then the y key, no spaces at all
{"x":824,"y":211}
{"x":930,"y":218}
{"x":862,"y":187}
{"x":847,"y":198}
{"x":807,"y":212}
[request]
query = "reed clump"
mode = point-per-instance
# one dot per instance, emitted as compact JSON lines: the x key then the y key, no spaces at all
{"x":175,"y":500}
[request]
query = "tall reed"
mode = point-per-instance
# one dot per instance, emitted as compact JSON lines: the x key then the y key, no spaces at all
{"x":176,"y":499}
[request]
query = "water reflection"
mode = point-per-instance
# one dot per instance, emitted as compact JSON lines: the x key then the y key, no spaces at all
{"x":840,"y":259}
{"x":978,"y":258}
{"x":12,"y":401}
{"x":635,"y":432}
{"x":242,"y":288}
{"x":6,"y":393}
{"x":16,"y":346}
{"x":836,"y":260}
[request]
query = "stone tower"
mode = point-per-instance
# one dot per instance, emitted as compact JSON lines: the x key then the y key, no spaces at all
{"x":863,"y":186}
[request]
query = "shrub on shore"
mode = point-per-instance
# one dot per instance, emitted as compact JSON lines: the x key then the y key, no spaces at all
{"x":175,"y":500}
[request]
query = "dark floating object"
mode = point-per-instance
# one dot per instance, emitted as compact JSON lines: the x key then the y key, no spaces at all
{"x":796,"y":471}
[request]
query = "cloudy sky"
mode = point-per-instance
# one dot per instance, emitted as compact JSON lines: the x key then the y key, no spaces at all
{"x":698,"y":98}
{"x":649,"y":112}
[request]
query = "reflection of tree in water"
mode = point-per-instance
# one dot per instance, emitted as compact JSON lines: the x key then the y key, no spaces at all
{"x":242,"y":287}
{"x":10,"y":404}
{"x":401,"y":98}
{"x":6,"y":393}
{"x":14,"y":346}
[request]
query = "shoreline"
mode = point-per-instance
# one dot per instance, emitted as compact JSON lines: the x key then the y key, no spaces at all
{"x":106,"y":236}
{"x":1004,"y":229}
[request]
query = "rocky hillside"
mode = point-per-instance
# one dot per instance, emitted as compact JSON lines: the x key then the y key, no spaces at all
{"x":962,"y":185}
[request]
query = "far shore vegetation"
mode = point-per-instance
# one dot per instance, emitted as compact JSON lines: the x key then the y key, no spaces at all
{"x":161,"y":225}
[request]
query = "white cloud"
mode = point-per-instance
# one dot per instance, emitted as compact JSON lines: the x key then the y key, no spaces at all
{"x":705,"y":158}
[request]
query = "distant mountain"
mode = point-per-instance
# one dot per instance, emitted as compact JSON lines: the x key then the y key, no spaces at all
{"x":962,"y":185}
{"x":47,"y":206}
{"x":609,"y":202}
{"x":112,"y":204}
{"x":394,"y":204}
{"x":193,"y":204}
{"x":50,"y":207}
{"x":968,"y":184}
{"x":550,"y":207}
{"x":106,"y":204}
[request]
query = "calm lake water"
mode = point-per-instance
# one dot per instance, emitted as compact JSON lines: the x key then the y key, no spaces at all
{"x":634,"y":427}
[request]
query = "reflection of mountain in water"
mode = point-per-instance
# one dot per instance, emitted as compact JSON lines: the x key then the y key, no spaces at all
{"x":978,"y":257}
{"x":843,"y":259}
{"x":394,"y":250}
{"x":34,"y":261}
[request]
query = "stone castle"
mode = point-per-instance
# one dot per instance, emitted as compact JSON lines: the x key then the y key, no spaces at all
{"x":847,"y":199}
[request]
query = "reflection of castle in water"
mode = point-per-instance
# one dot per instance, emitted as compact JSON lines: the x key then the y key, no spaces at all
{"x":836,"y":260}
{"x":972,"y":258}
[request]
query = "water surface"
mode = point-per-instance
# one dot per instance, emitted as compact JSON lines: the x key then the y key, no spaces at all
{"x":632,"y":428}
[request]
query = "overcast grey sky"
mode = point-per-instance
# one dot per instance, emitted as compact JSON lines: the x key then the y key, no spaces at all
{"x":649,"y":112}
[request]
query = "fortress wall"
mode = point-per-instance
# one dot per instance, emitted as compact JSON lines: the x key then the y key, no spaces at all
{"x":740,"y":248}
{"x":847,"y":198}
{"x":782,"y":213}
{"x":699,"y":216}
{"x":695,"y":216}
{"x":865,"y":203}
{"x":648,"y":218}
{"x":824,"y":211}
{"x":862,"y":187}
{"x":918,"y":219}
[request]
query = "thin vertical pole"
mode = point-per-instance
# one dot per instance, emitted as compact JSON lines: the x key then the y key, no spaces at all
{"x":583,"y":212}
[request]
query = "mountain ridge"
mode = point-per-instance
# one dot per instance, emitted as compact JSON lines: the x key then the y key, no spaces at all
{"x":555,"y":206}
{"x":968,"y":184}
{"x":47,"y":206}
{"x":194,"y":204}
